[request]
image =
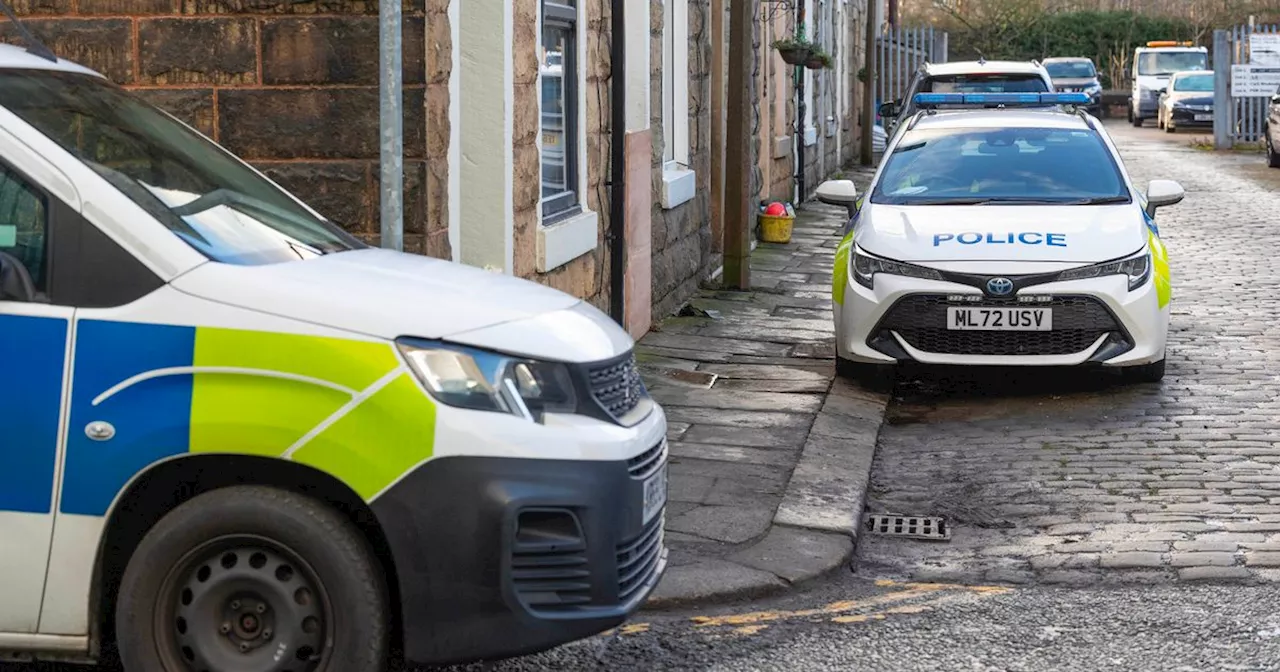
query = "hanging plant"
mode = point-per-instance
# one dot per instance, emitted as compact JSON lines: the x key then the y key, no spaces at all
{"x":862,"y":75}
{"x":818,"y":60}
{"x":795,"y":50}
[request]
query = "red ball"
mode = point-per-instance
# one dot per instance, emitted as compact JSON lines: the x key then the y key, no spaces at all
{"x":775,"y":209}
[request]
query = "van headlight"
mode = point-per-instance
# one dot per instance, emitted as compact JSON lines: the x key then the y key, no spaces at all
{"x":1137,"y":267}
{"x":866,"y":266}
{"x":481,"y":380}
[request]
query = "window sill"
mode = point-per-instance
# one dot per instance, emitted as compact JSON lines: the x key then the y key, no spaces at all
{"x":810,"y":136}
{"x":566,"y":240}
{"x":679,"y":185}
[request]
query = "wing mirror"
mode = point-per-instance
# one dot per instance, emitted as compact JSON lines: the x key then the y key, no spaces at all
{"x":1161,"y":193}
{"x":888,"y":110}
{"x":839,"y":192}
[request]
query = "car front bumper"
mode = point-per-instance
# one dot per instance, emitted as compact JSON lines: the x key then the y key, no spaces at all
{"x":1187,"y":118}
{"x":499,"y":556}
{"x":1096,"y":321}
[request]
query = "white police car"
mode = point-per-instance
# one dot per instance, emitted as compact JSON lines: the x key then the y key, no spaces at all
{"x":1002,"y":237}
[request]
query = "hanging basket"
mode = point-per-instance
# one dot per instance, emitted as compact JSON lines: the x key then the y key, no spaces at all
{"x":795,"y":55}
{"x":815,"y":62}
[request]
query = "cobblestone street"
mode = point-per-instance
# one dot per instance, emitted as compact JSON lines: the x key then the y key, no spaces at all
{"x":1072,"y":479}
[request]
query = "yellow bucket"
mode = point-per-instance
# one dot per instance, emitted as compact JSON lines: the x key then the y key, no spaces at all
{"x":776,"y":228}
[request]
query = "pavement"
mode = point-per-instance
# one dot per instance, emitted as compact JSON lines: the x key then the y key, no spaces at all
{"x":769,"y":454}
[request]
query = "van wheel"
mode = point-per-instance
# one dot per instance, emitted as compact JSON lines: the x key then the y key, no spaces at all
{"x":253,"y":578}
{"x":1147,"y":373}
{"x":873,"y":377}
{"x":1135,"y":120}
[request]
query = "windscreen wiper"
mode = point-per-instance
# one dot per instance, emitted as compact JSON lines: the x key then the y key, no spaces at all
{"x":1100,"y":200}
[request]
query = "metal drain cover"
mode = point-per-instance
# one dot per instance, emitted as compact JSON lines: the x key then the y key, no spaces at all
{"x":934,"y":528}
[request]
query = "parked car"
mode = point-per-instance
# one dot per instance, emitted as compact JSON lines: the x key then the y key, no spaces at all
{"x":1187,"y":102}
{"x":979,"y":76}
{"x":1269,"y":129}
{"x":1076,"y":75}
{"x":1010,"y":237}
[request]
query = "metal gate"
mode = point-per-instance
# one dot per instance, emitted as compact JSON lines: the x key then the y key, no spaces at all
{"x":1237,"y":119}
{"x":900,"y":51}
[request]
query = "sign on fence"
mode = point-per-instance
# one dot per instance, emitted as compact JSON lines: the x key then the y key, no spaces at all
{"x":1252,"y":81}
{"x":1264,"y":50}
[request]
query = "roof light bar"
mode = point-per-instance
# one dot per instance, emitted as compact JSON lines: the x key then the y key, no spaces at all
{"x":1005,"y":99}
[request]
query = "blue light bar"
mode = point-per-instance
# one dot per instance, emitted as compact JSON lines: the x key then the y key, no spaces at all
{"x":1006,"y":99}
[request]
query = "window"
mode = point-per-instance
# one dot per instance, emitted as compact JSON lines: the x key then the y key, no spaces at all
{"x":969,"y":166}
{"x":1070,"y":69}
{"x":678,"y":182}
{"x":1201,"y":83}
{"x":24,"y":222}
{"x":214,"y":202}
{"x":811,"y":33}
{"x":558,"y":59}
{"x":1169,"y":62}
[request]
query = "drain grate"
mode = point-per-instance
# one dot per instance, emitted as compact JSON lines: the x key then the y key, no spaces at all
{"x":910,"y":527}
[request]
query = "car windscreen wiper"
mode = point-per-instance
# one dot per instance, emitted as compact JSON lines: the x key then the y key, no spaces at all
{"x":1099,"y":200}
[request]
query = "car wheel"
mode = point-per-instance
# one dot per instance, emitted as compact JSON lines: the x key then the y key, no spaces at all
{"x":1169,"y":127}
{"x":253,"y":578}
{"x":1147,"y":373}
{"x":1136,"y":121}
{"x":1273,"y":159}
{"x":874,"y":377}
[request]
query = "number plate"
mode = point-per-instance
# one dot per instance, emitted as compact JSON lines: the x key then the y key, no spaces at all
{"x":655,"y":493}
{"x":1204,"y":117}
{"x":1000,"y":319}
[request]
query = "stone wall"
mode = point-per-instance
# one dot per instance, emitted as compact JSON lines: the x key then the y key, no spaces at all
{"x":681,"y":247}
{"x":289,"y":86}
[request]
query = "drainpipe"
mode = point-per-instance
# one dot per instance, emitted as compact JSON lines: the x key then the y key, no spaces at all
{"x":800,"y":108}
{"x":617,"y":179}
{"x":391,"y":123}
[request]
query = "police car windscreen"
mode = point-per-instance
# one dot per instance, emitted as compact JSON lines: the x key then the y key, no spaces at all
{"x":969,"y":166}
{"x":1169,"y":62}
{"x":1070,"y":70}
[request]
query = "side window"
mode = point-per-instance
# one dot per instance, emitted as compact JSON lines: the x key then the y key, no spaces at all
{"x":24,"y":225}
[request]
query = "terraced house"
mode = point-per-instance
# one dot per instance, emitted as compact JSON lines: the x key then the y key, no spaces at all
{"x":509,"y":119}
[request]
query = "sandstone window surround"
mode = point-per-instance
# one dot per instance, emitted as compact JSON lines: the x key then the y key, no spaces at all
{"x":679,"y":183}
{"x":568,"y":229}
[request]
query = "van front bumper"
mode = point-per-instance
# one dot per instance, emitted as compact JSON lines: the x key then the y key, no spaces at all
{"x":501,"y":557}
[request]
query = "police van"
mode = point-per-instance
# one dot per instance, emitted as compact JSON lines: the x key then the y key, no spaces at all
{"x":236,"y":438}
{"x":1152,"y":67}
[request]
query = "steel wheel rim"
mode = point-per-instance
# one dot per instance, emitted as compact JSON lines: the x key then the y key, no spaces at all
{"x":243,"y":603}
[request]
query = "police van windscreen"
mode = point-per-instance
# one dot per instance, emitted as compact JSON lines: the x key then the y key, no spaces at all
{"x":973,"y":166}
{"x":1169,"y":62}
{"x":208,"y":198}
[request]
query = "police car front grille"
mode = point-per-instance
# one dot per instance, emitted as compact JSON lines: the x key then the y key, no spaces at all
{"x":617,"y":386}
{"x":1078,"y":322}
{"x":639,"y":559}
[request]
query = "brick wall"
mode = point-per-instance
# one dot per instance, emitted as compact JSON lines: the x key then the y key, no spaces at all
{"x":289,"y":86}
{"x":681,"y":236}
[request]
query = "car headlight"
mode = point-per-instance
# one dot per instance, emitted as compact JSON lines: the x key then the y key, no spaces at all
{"x":866,"y":266}
{"x":1137,"y":267}
{"x":1093,"y":89}
{"x":480,"y":380}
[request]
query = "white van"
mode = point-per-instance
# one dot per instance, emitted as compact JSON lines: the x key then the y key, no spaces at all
{"x":1152,"y":66}
{"x":236,"y":438}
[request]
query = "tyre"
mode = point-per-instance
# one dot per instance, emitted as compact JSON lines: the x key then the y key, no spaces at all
{"x":253,"y":579}
{"x":1170,"y":128}
{"x":1273,"y":159}
{"x":1129,"y":110}
{"x":1147,"y":373}
{"x":874,"y":377}
{"x":1135,"y":120}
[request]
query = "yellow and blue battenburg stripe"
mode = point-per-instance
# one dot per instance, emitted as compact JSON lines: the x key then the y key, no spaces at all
{"x":346,"y":407}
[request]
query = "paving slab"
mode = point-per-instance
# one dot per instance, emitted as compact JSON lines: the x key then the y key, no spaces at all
{"x":770,"y":453}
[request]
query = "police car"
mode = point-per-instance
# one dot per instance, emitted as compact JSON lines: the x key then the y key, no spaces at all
{"x":233,"y":437}
{"x":1002,"y":237}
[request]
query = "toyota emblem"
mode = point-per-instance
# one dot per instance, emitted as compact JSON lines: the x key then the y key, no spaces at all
{"x":999,"y":286}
